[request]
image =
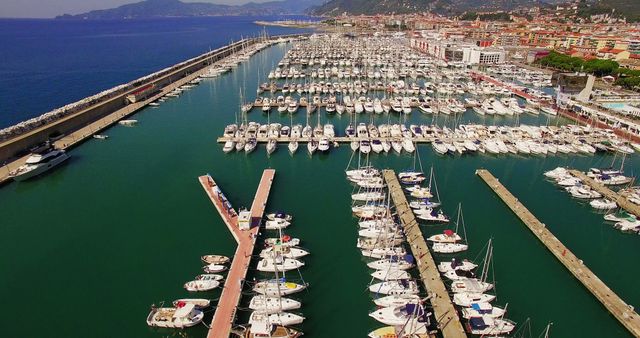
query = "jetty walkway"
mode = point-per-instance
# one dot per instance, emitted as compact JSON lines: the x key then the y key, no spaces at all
{"x":609,"y":194}
{"x":225,"y":313}
{"x":443,"y":308}
{"x":612,"y":302}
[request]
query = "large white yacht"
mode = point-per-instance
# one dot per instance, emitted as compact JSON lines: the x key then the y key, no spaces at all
{"x":37,"y":164}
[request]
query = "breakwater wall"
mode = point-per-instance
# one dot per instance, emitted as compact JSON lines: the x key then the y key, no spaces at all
{"x":16,"y":140}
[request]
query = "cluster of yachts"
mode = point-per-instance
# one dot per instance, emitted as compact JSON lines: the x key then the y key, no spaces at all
{"x":608,"y":177}
{"x":464,"y":139}
{"x":523,"y":75}
{"x":380,"y":238}
{"x":188,"y":312}
{"x":396,"y":293}
{"x":272,"y":304}
{"x":469,"y":290}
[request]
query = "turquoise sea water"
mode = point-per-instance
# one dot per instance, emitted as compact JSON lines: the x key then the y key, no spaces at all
{"x":86,"y":249}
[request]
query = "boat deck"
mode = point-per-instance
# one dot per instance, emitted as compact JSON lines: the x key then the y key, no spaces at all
{"x":444,"y":310}
{"x":224,"y":316}
{"x":620,"y":199}
{"x":612,"y":302}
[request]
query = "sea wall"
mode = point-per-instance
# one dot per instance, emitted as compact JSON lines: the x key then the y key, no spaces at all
{"x":16,"y":140}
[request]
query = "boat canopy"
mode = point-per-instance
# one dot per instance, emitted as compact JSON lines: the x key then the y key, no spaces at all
{"x":184,"y":311}
{"x":477,"y":323}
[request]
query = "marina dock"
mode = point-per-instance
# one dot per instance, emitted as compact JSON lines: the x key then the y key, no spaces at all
{"x":444,"y":310}
{"x":225,"y":313}
{"x":607,"y":193}
{"x":612,"y":302}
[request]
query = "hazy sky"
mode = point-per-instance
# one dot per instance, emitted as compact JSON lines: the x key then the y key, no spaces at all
{"x":51,"y":8}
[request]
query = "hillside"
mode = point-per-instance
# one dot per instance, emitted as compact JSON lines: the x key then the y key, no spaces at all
{"x":336,"y":7}
{"x":177,"y":8}
{"x":629,"y":8}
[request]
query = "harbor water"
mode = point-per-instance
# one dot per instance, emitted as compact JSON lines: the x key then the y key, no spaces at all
{"x":86,"y":249}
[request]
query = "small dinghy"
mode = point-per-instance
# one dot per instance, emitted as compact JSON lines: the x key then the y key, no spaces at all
{"x":213,"y":268}
{"x":215,"y":259}
{"x":201,"y":285}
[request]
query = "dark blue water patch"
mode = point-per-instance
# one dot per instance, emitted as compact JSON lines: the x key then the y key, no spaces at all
{"x":48,"y":63}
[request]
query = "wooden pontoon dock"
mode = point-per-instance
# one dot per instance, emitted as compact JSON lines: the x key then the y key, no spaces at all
{"x":611,"y":301}
{"x":609,"y":194}
{"x":225,"y":313}
{"x":443,"y":308}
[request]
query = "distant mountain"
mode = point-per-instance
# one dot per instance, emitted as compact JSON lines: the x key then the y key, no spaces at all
{"x":177,"y":8}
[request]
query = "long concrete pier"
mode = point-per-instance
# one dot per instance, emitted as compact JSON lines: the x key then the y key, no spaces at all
{"x":443,"y":308}
{"x":611,"y":301}
{"x":620,"y":199}
{"x":225,"y":313}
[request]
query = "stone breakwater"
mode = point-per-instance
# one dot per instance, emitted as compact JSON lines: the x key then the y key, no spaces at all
{"x":69,"y":109}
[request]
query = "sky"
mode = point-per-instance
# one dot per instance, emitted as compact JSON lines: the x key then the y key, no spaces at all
{"x":51,"y":8}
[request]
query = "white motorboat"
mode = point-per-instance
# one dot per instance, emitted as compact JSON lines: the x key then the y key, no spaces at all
{"x":395,"y":287}
{"x":173,"y":317}
{"x":415,"y":331}
{"x":411,"y":177}
{"x":448,"y":236}
{"x":199,"y":303}
{"x":284,"y":251}
{"x":368,"y":196}
{"x":449,"y":247}
{"x":467,"y":299}
{"x":483,"y":309}
{"x":279,"y":216}
{"x":209,"y":276}
{"x":312,"y":146}
{"x":293,"y":147}
{"x":583,"y":192}
{"x":279,"y":263}
{"x":379,"y":253}
{"x":459,"y":274}
{"x":229,"y":146}
{"x":201,"y":285}
{"x":431,"y":215}
{"x":408,"y":314}
{"x":603,"y":204}
{"x":396,"y":300}
{"x":214,"y":259}
{"x":277,"y":288}
{"x":286,"y":240}
{"x":455,"y":264}
{"x":628,"y":226}
{"x":470,"y":286}
{"x":128,"y":123}
{"x":394,"y":263}
{"x":276,"y":224}
{"x":37,"y":164}
{"x":213,"y":268}
{"x":269,"y":305}
{"x":279,"y":318}
{"x":263,"y":329}
{"x":272,"y":144}
{"x":324,"y":144}
{"x":569,"y":181}
{"x":489,"y":326}
{"x":391,"y":274}
{"x":423,"y":203}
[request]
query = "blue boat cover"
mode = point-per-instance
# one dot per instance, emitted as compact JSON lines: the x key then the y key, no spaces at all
{"x":477,"y":323}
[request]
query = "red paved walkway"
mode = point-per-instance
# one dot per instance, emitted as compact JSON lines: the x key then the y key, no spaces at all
{"x":225,"y":312}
